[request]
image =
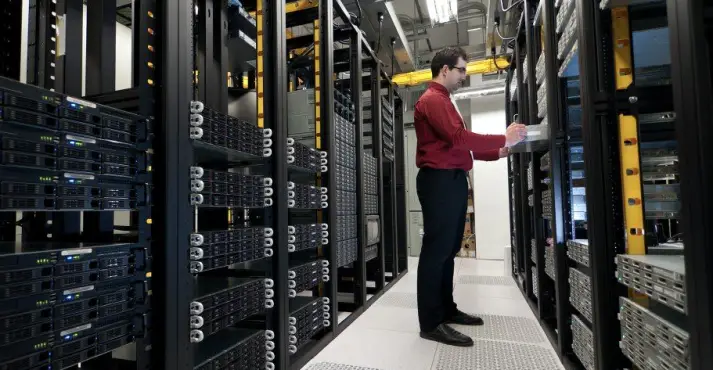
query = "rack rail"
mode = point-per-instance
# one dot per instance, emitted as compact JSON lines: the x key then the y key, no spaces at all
{"x":616,"y":175}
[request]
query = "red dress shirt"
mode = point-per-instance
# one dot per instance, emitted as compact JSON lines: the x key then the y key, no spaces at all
{"x":443,"y":141}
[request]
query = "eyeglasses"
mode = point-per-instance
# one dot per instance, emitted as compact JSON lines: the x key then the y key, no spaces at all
{"x":461,"y":69}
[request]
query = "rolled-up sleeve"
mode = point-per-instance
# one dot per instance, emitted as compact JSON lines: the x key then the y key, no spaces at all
{"x":489,"y":155}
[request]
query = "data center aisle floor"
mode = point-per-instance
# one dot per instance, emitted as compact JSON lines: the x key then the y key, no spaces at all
{"x":386,"y":336}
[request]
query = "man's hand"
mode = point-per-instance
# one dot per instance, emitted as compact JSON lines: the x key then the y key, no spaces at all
{"x":514,"y":134}
{"x":504,"y":152}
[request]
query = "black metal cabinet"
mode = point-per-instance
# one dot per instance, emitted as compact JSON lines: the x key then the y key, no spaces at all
{"x":301,"y":199}
{"x":691,"y":74}
{"x":620,"y":157}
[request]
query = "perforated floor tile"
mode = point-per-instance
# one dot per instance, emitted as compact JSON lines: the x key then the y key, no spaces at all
{"x":485,"y":280}
{"x":492,"y":355}
{"x":507,"y":328}
{"x":399,"y":299}
{"x":333,"y":366}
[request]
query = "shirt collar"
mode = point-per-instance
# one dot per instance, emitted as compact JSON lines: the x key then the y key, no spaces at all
{"x":438,"y":87}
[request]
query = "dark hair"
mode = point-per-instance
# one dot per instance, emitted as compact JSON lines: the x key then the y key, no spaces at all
{"x":447,"y":56}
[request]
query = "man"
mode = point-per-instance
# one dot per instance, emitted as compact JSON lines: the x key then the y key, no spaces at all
{"x":445,"y":153}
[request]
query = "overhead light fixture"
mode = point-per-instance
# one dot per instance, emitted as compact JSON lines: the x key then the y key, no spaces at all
{"x":475,"y":93}
{"x":477,"y":28}
{"x":442,"y":11}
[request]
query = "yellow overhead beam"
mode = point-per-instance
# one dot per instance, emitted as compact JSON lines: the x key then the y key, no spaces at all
{"x":472,"y":68}
{"x":295,"y":6}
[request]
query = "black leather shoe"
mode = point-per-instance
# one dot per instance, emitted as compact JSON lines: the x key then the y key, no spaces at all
{"x":462,"y":318}
{"x":447,"y":335}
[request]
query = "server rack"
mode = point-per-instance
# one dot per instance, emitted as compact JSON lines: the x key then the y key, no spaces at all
{"x":393,"y":245}
{"x":690,"y":71}
{"x":313,"y":216}
{"x":536,"y":177}
{"x":78,"y":179}
{"x":399,"y":180}
{"x":621,"y":149}
{"x":218,"y":179}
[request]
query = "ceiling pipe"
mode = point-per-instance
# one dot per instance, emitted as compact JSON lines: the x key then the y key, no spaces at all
{"x":421,"y":26}
{"x":463,"y":14}
{"x":471,"y":93}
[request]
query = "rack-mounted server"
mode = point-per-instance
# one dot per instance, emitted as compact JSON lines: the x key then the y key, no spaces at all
{"x":63,"y":153}
{"x":347,"y":178}
{"x":216,"y":130}
{"x":248,"y":349}
{"x":222,"y":248}
{"x":550,"y":261}
{"x":347,"y":228}
{"x":346,"y":155}
{"x":578,"y":250}
{"x":308,"y":316}
{"x":371,"y":191}
{"x":222,"y":302}
{"x":307,"y":276}
{"x":59,"y":305}
{"x":533,"y":250}
{"x":347,"y":251}
{"x":542,"y":101}
{"x":583,"y":342}
{"x":344,"y":105}
{"x":302,"y":156}
{"x":307,"y":236}
{"x":661,"y":277}
{"x":387,"y":128}
{"x":651,"y":341}
{"x":547,"y":211}
{"x":348,"y":209}
{"x":65,"y":301}
{"x":568,"y":38}
{"x":563,"y":15}
{"x":210,"y":188}
{"x":540,"y":70}
{"x":302,"y":196}
{"x":580,"y":293}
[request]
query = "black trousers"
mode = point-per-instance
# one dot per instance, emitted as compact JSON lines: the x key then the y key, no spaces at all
{"x":444,"y":201}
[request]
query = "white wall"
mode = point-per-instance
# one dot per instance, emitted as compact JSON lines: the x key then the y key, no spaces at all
{"x":124,"y":57}
{"x":490,"y":183}
{"x":124,"y":51}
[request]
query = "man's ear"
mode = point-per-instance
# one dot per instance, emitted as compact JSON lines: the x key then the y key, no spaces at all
{"x":444,"y":69}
